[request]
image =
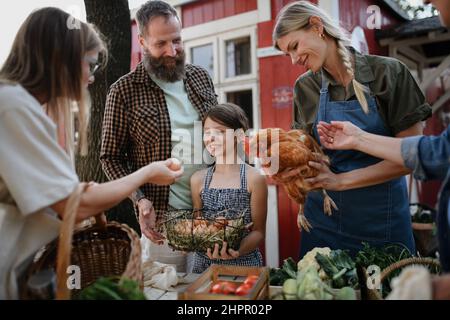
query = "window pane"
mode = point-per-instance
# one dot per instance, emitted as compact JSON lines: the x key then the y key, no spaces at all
{"x":244,"y":99}
{"x":203,"y":56}
{"x":238,"y":57}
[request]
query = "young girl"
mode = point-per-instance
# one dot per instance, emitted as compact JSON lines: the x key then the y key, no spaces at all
{"x":229,"y":184}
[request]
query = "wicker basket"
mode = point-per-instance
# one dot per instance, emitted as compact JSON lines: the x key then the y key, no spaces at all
{"x":99,"y":250}
{"x":188,"y":230}
{"x":373,"y":294}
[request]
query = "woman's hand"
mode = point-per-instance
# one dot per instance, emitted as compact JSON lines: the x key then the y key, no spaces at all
{"x":224,"y":254}
{"x":326,"y":179}
{"x":164,"y":172}
{"x":339,"y":135}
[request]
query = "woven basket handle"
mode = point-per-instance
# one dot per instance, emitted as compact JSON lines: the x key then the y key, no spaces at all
{"x":65,"y":241}
{"x":405,"y":262}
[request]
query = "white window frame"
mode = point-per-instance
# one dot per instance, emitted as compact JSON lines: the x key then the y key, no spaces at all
{"x":223,"y":38}
{"x":249,"y":85}
{"x":188,"y":45}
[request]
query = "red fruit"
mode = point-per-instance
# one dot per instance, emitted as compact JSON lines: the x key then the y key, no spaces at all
{"x":229,"y":288}
{"x":251,"y":280}
{"x":243,"y":290}
{"x":223,"y":287}
{"x":217,"y":288}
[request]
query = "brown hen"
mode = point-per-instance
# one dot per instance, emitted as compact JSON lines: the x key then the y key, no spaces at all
{"x":291,"y":149}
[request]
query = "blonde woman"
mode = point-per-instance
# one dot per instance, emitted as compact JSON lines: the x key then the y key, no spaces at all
{"x":376,"y":93}
{"x":49,"y":64}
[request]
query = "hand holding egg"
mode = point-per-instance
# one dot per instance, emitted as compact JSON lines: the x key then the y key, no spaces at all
{"x":175,"y":164}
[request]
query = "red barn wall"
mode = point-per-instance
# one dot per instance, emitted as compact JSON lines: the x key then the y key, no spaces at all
{"x":203,"y":11}
{"x":353,"y":13}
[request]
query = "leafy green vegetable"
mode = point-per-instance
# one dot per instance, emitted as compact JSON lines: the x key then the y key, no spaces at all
{"x":112,"y":288}
{"x":287,"y":271}
{"x":382,"y":257}
{"x":339,"y":267}
{"x":290,"y":267}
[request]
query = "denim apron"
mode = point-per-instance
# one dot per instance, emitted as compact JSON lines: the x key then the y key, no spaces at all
{"x":377,"y":214}
{"x":216,"y":200}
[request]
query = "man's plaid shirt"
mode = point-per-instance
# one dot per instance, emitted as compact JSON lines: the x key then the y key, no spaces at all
{"x":136,"y":126}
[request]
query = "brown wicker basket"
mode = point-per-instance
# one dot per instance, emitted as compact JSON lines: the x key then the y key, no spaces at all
{"x":373,"y":294}
{"x":100,"y":250}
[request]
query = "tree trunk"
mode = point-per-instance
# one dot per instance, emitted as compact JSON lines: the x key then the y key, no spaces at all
{"x":112,"y":19}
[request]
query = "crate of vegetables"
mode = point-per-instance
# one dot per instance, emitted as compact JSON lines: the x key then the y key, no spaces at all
{"x":228,"y":282}
{"x":189,"y":230}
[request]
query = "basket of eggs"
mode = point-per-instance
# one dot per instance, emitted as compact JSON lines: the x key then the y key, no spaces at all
{"x":189,"y":230}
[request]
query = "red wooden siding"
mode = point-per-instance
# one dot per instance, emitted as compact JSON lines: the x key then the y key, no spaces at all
{"x":277,"y":76}
{"x":288,"y":232}
{"x":203,"y":11}
{"x":277,"y":5}
{"x":354,"y":13}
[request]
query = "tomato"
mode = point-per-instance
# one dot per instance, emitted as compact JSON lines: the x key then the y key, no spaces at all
{"x":243,"y":290}
{"x":251,"y":280}
{"x":229,"y":288}
{"x":217,"y":288}
{"x":223,"y":287}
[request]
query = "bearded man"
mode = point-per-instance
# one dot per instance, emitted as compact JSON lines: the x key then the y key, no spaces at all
{"x":149,"y":116}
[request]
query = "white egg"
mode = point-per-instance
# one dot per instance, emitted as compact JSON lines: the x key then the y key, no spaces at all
{"x":176,"y":164}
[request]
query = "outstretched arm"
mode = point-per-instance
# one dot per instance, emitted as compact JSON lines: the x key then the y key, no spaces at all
{"x":100,"y":197}
{"x":375,"y":174}
{"x":344,"y":135}
{"x":427,"y":156}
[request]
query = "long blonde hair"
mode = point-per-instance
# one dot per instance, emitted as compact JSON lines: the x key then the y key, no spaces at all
{"x":295,"y":16}
{"x":46,"y":59}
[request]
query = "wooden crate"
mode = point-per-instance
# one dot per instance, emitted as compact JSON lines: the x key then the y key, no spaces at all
{"x":199,"y":289}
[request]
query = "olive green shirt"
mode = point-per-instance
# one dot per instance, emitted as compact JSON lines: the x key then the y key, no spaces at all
{"x":399,"y":99}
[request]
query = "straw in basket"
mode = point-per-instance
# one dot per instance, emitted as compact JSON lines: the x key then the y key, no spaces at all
{"x":188,"y":230}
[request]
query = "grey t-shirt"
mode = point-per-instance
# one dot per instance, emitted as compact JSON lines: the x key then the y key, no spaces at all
{"x":35,"y":173}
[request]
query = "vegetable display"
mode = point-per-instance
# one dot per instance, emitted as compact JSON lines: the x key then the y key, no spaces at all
{"x":309,"y":286}
{"x":112,"y":288}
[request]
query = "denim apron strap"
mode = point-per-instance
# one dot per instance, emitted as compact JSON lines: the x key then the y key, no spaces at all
{"x":243,"y":176}
{"x":208,"y":178}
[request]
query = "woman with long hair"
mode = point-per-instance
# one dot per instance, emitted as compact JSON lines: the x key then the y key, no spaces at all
{"x":378,"y":94}
{"x":50,"y":65}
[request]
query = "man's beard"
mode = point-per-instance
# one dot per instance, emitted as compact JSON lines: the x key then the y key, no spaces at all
{"x":169,"y":69}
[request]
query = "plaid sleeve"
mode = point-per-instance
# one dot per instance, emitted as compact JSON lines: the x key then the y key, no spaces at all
{"x":113,"y":153}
